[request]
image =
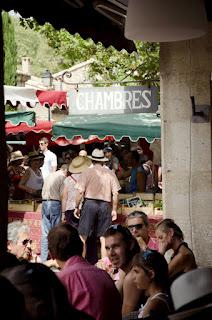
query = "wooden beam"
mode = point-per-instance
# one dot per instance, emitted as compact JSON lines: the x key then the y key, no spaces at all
{"x":3,"y":156}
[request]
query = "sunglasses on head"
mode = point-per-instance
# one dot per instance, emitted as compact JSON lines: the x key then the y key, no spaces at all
{"x":136,"y":226}
{"x":147,"y":253}
{"x":26,"y":241}
{"x":123,"y":230}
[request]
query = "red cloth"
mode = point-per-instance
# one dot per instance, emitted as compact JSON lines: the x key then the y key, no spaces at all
{"x":77,"y":140}
{"x":152,"y":244}
{"x":52,"y":98}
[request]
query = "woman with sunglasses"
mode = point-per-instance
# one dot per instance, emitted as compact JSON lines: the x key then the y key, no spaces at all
{"x":150,"y":273}
{"x":138,"y":224}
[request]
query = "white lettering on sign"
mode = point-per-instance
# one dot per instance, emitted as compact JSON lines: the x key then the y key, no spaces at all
{"x":148,"y":102}
{"x":128,"y":99}
{"x":118,"y":100}
{"x":114,"y":100}
{"x":108,"y":99}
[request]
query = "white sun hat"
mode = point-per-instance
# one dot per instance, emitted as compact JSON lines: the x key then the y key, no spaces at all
{"x":98,"y":155}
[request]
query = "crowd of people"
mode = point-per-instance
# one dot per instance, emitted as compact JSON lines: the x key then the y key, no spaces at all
{"x":132,"y":277}
{"x":135,"y":171}
{"x":136,"y":285}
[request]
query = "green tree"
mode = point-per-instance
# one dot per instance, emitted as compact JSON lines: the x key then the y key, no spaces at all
{"x":108,"y":64}
{"x":10,"y":50}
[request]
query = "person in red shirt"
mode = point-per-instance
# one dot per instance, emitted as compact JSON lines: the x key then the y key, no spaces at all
{"x":89,"y":288}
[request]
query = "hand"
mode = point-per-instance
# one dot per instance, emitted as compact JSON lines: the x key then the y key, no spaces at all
{"x":63,"y":219}
{"x":162,"y":247}
{"x":31,"y":191}
{"x":52,"y":263}
{"x":77,"y":213}
{"x":160,"y":184}
{"x":142,"y":243}
{"x":114,"y":215}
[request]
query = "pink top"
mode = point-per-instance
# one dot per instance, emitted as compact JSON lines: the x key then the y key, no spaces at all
{"x":90,"y":289}
{"x":70,"y":183}
{"x":152,"y":244}
{"x":98,"y":183}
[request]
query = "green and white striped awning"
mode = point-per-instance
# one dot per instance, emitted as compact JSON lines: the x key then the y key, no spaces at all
{"x":134,"y":126}
{"x":16,"y":117}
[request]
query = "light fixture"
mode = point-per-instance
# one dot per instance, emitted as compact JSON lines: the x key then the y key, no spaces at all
{"x":47,"y":79}
{"x":165,"y":20}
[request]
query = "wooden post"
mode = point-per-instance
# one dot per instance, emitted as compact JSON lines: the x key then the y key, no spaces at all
{"x":3,"y":156}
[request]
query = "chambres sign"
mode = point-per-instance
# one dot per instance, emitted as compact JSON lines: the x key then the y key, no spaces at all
{"x":113,"y":100}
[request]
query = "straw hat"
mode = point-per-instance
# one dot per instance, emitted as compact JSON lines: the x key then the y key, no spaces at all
{"x":79,"y":164}
{"x":34,"y":155}
{"x":83,"y":153}
{"x":98,"y":155}
{"x":16,"y":155}
{"x":192,"y":290}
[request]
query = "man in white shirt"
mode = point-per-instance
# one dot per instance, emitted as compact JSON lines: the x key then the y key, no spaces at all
{"x":50,"y":160}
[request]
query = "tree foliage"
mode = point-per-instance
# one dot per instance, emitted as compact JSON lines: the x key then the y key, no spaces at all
{"x":109,"y":65}
{"x":10,"y":50}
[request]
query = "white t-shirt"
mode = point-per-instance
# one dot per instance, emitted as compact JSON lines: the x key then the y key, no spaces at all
{"x":50,"y":161}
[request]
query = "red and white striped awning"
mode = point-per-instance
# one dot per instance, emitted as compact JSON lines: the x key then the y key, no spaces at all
{"x":30,"y":97}
{"x":40,"y":127}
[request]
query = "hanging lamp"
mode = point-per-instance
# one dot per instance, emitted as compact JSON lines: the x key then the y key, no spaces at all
{"x":165,"y":20}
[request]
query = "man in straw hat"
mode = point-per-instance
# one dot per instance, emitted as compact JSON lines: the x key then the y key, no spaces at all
{"x":99,"y":187}
{"x":77,"y":166}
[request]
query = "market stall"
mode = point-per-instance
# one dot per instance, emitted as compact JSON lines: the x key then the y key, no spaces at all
{"x":76,"y":129}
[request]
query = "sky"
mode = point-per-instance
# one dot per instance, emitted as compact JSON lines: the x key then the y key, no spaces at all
{"x":14,"y":14}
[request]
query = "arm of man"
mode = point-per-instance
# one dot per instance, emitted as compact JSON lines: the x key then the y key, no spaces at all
{"x":115,"y":189}
{"x":114,"y":206}
{"x":64,"y":198}
{"x":54,"y":163}
{"x":131,"y":295}
{"x":79,"y":197}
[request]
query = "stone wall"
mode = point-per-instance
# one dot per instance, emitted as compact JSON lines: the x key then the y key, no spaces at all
{"x":186,"y":68}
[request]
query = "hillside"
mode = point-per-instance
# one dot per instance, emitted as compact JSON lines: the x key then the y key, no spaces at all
{"x":32,"y":44}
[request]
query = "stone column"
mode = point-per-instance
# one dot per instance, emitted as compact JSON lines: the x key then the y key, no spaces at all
{"x":186,"y":68}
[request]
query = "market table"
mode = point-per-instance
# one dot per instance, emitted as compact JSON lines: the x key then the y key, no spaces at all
{"x":30,"y":213}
